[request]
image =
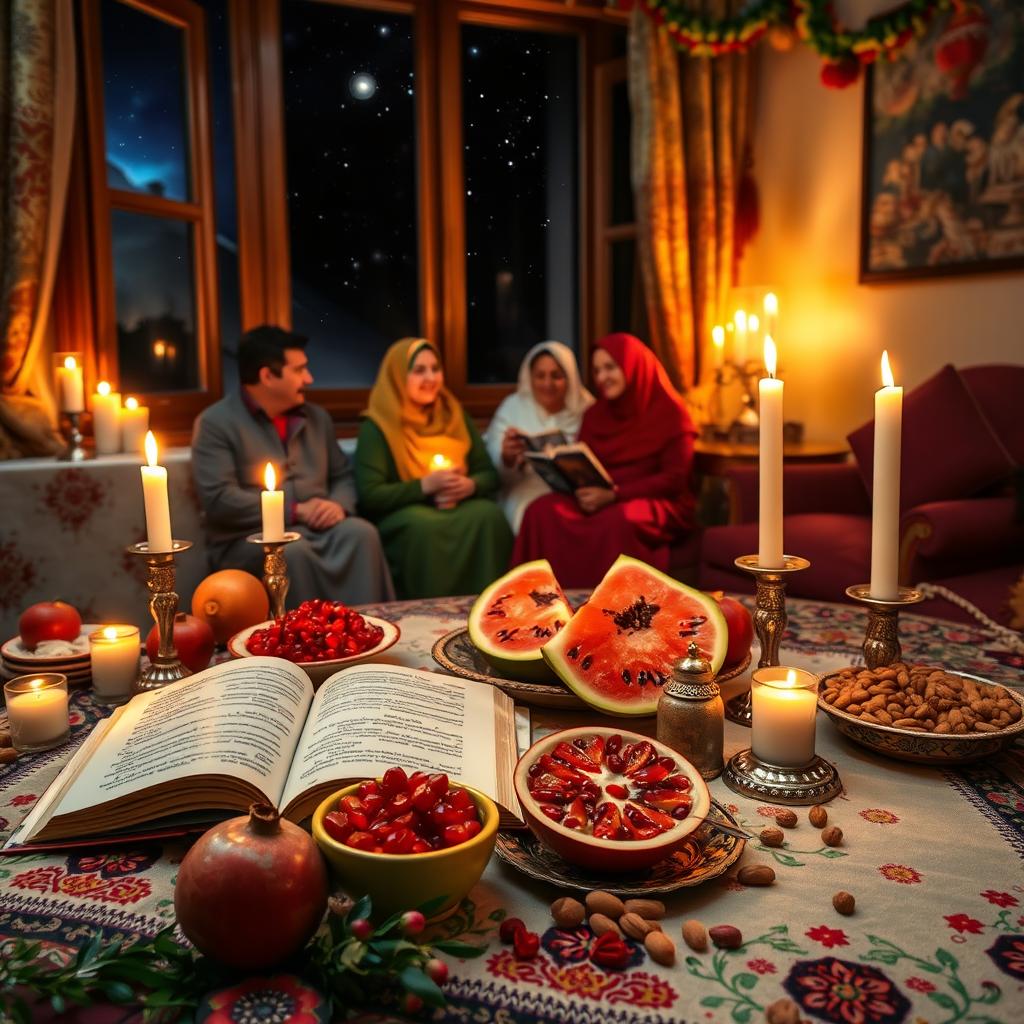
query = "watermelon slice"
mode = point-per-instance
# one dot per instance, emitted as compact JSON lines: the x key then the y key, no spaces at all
{"x":618,"y":651}
{"x":515,"y":616}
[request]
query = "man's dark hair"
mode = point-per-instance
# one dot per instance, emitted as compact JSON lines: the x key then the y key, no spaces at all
{"x":265,"y":346}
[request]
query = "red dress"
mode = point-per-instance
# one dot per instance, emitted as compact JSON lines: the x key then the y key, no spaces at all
{"x":645,"y":441}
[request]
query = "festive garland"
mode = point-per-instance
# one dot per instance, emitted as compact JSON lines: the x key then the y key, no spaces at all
{"x":812,"y":21}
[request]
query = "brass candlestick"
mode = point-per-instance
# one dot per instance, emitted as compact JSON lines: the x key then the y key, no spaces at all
{"x":275,"y":569}
{"x":816,"y":782}
{"x":166,"y":667}
{"x":769,"y":620}
{"x":882,"y":636}
{"x":74,"y":450}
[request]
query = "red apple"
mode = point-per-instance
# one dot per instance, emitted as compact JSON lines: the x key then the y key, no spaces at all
{"x":741,"y":627}
{"x":49,"y":620}
{"x":192,"y":637}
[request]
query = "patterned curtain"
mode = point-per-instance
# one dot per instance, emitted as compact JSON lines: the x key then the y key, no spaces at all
{"x":690,"y":136}
{"x":37,"y":103}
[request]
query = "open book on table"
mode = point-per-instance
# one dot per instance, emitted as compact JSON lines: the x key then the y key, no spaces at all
{"x":252,"y":729}
{"x":567,"y":467}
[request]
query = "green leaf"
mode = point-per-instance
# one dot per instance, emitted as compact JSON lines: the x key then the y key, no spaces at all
{"x":785,"y":858}
{"x":992,"y":993}
{"x":463,"y":950}
{"x":883,"y":956}
{"x":741,"y":1013}
{"x":941,"y":999}
{"x":58,"y":1003}
{"x":832,"y":854}
{"x":362,"y":908}
{"x":118,"y":992}
{"x":431,"y":907}
{"x":497,"y":915}
{"x":745,"y":980}
{"x":711,"y":1001}
{"x":388,"y":947}
{"x":947,"y":959}
{"x":415,"y":981}
{"x":165,"y":945}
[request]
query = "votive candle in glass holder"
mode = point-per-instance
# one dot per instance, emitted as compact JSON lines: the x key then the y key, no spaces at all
{"x":115,"y":655}
{"x":37,"y":710}
{"x":784,"y":703}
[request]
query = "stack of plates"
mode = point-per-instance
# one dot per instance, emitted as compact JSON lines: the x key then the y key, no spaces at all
{"x":16,"y":660}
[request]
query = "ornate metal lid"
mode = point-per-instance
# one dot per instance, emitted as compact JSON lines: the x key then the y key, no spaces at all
{"x":692,"y":677}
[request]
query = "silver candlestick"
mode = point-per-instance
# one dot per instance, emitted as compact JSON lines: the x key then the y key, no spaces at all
{"x":74,"y":450}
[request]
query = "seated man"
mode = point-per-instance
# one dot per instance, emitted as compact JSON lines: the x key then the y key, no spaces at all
{"x":339,"y":555}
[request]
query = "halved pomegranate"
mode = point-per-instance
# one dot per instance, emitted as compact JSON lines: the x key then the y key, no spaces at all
{"x":607,"y":799}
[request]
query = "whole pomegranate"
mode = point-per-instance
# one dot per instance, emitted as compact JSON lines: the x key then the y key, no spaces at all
{"x":192,"y":637}
{"x":49,"y":620}
{"x":252,"y":891}
{"x":741,"y":627}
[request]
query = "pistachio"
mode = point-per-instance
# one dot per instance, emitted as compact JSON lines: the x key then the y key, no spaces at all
{"x":772,"y":836}
{"x":832,"y":836}
{"x":567,"y":912}
{"x":661,"y":948}
{"x":818,"y":816}
{"x":755,"y":874}
{"x":601,"y":902}
{"x":844,"y":902}
{"x":695,"y":935}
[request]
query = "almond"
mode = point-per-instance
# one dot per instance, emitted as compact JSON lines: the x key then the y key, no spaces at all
{"x":772,"y":836}
{"x":725,"y":936}
{"x":832,"y":836}
{"x":755,"y":874}
{"x":844,"y":902}
{"x":661,"y":948}
{"x":601,"y":902}
{"x":695,"y":935}
{"x":786,"y":818}
{"x":635,"y":926}
{"x":818,"y":816}
{"x":649,"y":910}
{"x":567,"y":912}
{"x":599,"y":924}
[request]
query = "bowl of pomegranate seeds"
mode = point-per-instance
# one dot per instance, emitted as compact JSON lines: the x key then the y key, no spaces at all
{"x":319,"y":636}
{"x":608,"y":799}
{"x":407,"y":838}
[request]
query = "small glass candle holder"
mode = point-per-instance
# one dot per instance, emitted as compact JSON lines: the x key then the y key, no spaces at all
{"x":784,"y":705}
{"x":115,"y":655}
{"x":37,"y":710}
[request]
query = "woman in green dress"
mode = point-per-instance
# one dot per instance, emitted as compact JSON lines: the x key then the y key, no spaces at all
{"x":424,"y":477}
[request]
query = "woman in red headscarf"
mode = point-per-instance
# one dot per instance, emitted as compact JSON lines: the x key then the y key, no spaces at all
{"x":640,"y":430}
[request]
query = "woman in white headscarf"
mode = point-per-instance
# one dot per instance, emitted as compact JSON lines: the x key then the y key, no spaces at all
{"x":549,"y":398}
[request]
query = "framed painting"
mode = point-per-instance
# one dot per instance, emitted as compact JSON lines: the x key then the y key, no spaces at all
{"x":943,"y":177}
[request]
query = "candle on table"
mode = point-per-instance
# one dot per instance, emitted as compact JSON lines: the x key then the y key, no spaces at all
{"x":885,"y":488}
{"x":106,"y":419}
{"x":272,"y":502}
{"x":71,"y":393}
{"x":440,"y":461}
{"x":114,"y":654}
{"x":154,"y":493}
{"x":37,"y":708}
{"x":740,"y":320}
{"x":718,"y":341}
{"x":771,"y":313}
{"x":784,"y":705}
{"x":134,"y":424}
{"x":769,"y":547}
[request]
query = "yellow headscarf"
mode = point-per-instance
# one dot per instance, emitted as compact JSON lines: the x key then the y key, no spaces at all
{"x":421,"y":439}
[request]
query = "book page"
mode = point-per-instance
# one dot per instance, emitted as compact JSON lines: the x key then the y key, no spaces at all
{"x":366,"y":719}
{"x":580,"y":466}
{"x":241,"y":719}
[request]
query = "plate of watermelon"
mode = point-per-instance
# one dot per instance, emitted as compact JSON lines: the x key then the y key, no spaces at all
{"x":614,"y":651}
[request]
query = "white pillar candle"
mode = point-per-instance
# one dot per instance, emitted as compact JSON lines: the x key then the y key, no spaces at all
{"x":273,"y":507}
{"x":885,"y":488}
{"x":718,"y":343}
{"x":154,"y":493}
{"x":70,"y":391}
{"x":769,"y":547}
{"x":784,"y":703}
{"x":114,"y":653}
{"x":106,"y":419}
{"x":37,"y":709}
{"x":740,"y":320}
{"x":771,"y":314}
{"x":134,"y":424}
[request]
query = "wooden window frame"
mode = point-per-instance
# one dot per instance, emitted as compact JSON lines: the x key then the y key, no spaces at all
{"x":170,"y":411}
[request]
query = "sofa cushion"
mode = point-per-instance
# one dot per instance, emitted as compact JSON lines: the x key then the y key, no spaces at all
{"x":949,"y":448}
{"x":997,"y":391}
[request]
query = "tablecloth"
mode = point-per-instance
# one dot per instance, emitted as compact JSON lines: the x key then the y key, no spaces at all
{"x":933,"y":857}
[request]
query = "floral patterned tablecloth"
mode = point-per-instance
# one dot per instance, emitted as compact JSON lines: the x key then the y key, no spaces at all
{"x":933,"y":857}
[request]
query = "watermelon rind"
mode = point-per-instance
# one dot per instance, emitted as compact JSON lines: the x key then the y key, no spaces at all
{"x":555,"y":650}
{"x":528,"y":666}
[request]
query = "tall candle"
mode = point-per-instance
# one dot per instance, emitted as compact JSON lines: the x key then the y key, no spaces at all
{"x":154,"y":493}
{"x":114,"y":655}
{"x":272,"y":502}
{"x":771,"y":313}
{"x":134,"y":425}
{"x":784,"y":703}
{"x":885,"y":488}
{"x":740,"y":320}
{"x":769,"y":548}
{"x":106,"y":419}
{"x":69,"y":386}
{"x":37,"y":709}
{"x":718,"y":343}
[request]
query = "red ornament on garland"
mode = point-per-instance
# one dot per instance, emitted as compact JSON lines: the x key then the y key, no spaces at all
{"x":961,"y":47}
{"x":838,"y":74}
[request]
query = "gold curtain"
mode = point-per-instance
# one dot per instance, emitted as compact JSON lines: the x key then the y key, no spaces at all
{"x":691,"y":129}
{"x":37,"y":102}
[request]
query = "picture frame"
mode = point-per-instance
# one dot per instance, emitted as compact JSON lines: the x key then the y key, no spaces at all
{"x":943,"y":150}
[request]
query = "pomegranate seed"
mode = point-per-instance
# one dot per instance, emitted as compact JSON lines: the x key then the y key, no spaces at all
{"x":361,"y":841}
{"x":614,"y":789}
{"x":525,"y":944}
{"x":337,"y":826}
{"x":613,"y":744}
{"x":508,"y":928}
{"x":394,"y":781}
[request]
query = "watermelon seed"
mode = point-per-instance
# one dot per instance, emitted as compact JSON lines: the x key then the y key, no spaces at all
{"x":539,"y":631}
{"x":687,"y":632}
{"x":627,"y":677}
{"x":642,"y":677}
{"x":497,"y":613}
{"x":587,"y":662}
{"x":543,"y":600}
{"x":639,"y":615}
{"x":574,"y":653}
{"x":504,"y":635}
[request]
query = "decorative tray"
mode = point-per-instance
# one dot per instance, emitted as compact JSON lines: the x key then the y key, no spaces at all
{"x":706,"y":854}
{"x":456,"y":653}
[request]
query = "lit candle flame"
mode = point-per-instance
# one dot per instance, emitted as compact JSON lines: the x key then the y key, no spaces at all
{"x":718,"y":336}
{"x":440,"y":462}
{"x":270,"y":478}
{"x":791,"y":678}
{"x":69,"y":363}
{"x":770,"y":355}
{"x":103,"y":388}
{"x":887,"y":377}
{"x":109,"y":632}
{"x":752,"y":322}
{"x":131,"y":403}
{"x":741,"y":320}
{"x":159,"y":349}
{"x":771,"y":304}
{"x":151,"y":452}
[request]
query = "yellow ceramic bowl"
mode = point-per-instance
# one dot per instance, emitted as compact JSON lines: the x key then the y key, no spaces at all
{"x":397,"y":882}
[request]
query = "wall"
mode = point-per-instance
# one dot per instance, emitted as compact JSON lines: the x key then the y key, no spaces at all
{"x":831,"y":329}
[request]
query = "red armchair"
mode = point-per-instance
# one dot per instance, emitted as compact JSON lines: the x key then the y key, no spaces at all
{"x":973,"y":544}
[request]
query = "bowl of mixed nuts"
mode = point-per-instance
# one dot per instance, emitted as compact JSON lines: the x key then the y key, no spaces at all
{"x":922,"y":713}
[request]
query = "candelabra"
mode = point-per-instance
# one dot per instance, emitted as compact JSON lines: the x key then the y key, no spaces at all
{"x":275,"y":569}
{"x":745,"y":425}
{"x":882,"y":636}
{"x":166,"y":667}
{"x":74,"y":450}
